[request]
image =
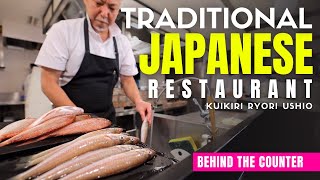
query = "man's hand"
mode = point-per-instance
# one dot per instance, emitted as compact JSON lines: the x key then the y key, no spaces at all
{"x":130,"y":88}
{"x":145,"y":110}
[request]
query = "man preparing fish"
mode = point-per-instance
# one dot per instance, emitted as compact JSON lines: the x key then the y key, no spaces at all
{"x":82,"y":59}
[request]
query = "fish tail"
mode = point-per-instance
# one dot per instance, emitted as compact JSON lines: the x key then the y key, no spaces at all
{"x":25,"y":159}
{"x":23,"y":176}
{"x":36,"y":161}
{"x":29,"y":163}
{"x":13,"y":178}
{"x":20,"y":166}
{"x":17,"y":177}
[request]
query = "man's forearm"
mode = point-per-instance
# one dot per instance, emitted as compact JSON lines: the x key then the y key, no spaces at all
{"x":57,"y":96}
{"x":130,"y":88}
{"x":51,"y":88}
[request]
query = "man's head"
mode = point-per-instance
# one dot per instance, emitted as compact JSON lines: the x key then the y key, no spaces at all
{"x":102,"y":13}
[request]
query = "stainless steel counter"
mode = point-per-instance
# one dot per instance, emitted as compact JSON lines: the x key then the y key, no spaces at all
{"x":10,"y":98}
{"x":11,"y":107}
{"x":184,"y":168}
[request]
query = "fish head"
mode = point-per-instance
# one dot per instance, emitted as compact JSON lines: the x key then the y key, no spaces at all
{"x":132,"y":140}
{"x":148,"y":151}
{"x":119,"y":138}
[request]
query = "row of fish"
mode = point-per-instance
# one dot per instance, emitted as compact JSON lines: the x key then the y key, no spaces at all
{"x":99,"y":153}
{"x":93,"y":155}
{"x":60,"y":121}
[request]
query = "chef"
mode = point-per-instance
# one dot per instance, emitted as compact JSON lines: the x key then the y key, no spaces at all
{"x":82,"y":59}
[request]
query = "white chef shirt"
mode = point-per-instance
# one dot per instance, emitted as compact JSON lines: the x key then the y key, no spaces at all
{"x":64,"y":48}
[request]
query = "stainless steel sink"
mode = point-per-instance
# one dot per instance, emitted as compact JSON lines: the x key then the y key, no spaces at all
{"x":167,"y":127}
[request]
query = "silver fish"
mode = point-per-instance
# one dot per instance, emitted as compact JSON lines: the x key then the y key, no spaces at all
{"x":37,"y":158}
{"x":112,"y":165}
{"x":76,"y":149}
{"x":85,"y":160}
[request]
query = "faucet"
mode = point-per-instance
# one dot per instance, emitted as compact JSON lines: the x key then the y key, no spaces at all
{"x":203,"y":113}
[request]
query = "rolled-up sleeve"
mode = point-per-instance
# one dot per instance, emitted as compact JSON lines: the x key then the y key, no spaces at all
{"x":127,"y":60}
{"x":54,"y":51}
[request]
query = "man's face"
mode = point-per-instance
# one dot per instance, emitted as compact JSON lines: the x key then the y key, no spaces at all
{"x":102,"y":13}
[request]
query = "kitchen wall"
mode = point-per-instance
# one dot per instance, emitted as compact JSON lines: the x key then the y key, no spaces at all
{"x":17,"y":67}
{"x":17,"y":60}
{"x":144,"y":79}
{"x":23,"y":30}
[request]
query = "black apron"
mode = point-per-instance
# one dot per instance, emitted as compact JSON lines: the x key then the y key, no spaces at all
{"x":92,"y":87}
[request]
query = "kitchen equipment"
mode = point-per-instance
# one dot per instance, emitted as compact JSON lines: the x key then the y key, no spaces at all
{"x":212,"y":117}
